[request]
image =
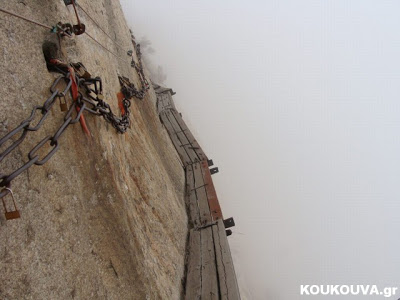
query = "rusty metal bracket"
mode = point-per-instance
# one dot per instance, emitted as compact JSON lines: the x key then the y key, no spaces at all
{"x":214,"y":170}
{"x":10,"y":214}
{"x":210,"y":162}
{"x":228,"y":223}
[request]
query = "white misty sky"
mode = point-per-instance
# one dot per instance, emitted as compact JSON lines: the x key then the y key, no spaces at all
{"x":297,"y":103}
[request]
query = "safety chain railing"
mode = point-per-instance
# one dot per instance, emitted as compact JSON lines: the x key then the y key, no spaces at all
{"x":128,"y":89}
{"x":86,"y":94}
{"x":26,"y":126}
{"x":91,"y":100}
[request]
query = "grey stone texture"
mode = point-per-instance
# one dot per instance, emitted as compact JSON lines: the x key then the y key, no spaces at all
{"x":105,"y":218}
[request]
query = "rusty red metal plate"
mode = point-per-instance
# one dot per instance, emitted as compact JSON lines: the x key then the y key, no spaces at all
{"x":213,"y":202}
{"x":120,"y":97}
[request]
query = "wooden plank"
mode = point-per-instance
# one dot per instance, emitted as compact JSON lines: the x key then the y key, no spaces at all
{"x":226,"y":271}
{"x":194,"y":213}
{"x":160,"y":102}
{"x":212,"y":198}
{"x":164,"y":101}
{"x":209,"y":280}
{"x":167,"y":100}
{"x":194,"y":269}
{"x":197,"y":148}
{"x":211,"y":273}
{"x":200,"y":153}
{"x":193,"y":145}
{"x":182,"y":153}
{"x":223,"y":286}
{"x":205,"y":216}
{"x":171,"y":101}
{"x":182,"y":137}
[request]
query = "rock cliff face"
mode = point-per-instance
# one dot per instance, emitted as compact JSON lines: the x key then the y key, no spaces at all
{"x":105,"y":218}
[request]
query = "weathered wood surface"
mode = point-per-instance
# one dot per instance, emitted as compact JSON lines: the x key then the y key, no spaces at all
{"x":181,"y":134}
{"x":210,"y":271}
{"x":220,"y":265}
{"x":177,"y":143}
{"x":194,"y":265}
{"x":226,"y":273}
{"x":194,"y":144}
{"x":177,"y":131}
{"x":210,"y":274}
{"x":201,"y":195}
{"x":209,"y":280}
{"x":165,"y":103}
{"x":194,"y":212}
{"x":161,"y":102}
{"x":164,"y":99}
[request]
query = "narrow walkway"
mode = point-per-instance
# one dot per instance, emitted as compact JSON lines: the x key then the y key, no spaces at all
{"x":210,"y":271}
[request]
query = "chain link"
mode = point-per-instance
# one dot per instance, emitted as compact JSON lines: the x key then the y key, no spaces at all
{"x":27,"y":126}
{"x":128,"y":89}
{"x":91,"y":101}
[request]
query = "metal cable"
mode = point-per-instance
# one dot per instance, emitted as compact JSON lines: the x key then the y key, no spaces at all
{"x":50,"y":27}
{"x":113,"y":40}
{"x":120,"y":58}
{"x":26,"y":19}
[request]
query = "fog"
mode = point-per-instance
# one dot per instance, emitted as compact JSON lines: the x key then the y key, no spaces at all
{"x":297,"y":103}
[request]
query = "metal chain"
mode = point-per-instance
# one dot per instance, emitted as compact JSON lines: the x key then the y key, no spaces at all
{"x":26,"y":126}
{"x":99,"y":107}
{"x":92,"y":101}
{"x":94,"y":92}
{"x":128,"y":89}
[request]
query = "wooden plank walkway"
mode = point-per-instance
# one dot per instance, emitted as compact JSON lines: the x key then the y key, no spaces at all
{"x":194,"y":144}
{"x":169,"y":116}
{"x":210,"y":271}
